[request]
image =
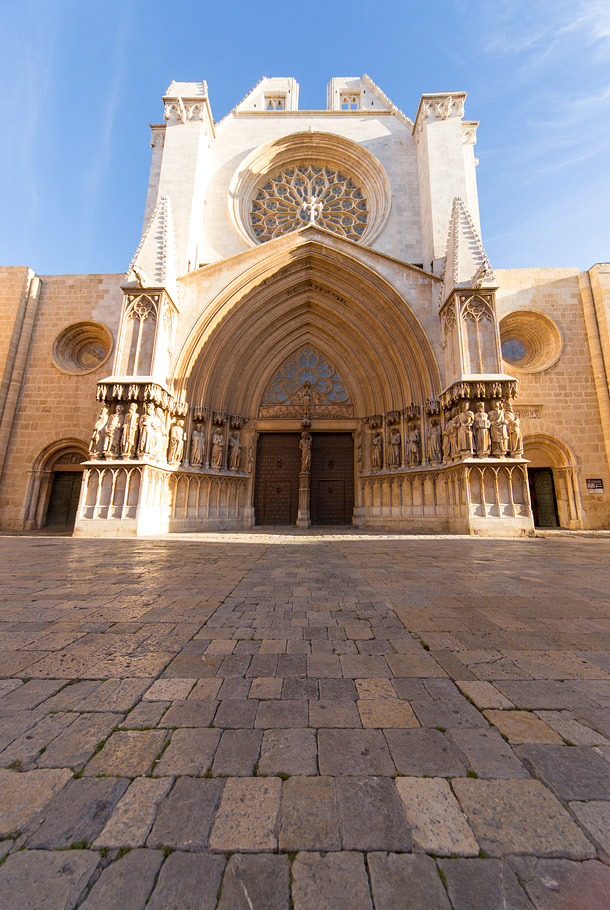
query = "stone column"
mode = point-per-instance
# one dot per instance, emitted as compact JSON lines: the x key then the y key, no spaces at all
{"x":303,"y":517}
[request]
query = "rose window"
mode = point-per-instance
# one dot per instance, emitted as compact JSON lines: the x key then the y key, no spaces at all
{"x":309,"y":194}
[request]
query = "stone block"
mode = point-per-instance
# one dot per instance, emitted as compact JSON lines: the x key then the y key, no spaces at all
{"x":483,"y":884}
{"x":557,"y":884}
{"x":386,"y":712}
{"x":77,"y":813}
{"x":371,"y":813}
{"x":375,"y":688}
{"x":291,"y":751}
{"x":363,"y":752}
{"x":424,"y":752}
{"x":487,"y":753}
{"x":484,"y":694}
{"x":188,"y":881}
{"x":309,"y":816}
{"x":572,"y":772}
{"x":189,"y":752}
{"x":266,"y":687}
{"x":406,"y":880}
{"x":74,"y":746}
{"x":44,"y":880}
{"x":196,"y":712}
{"x":337,"y":712}
{"x":175,"y":689}
{"x":24,"y":794}
{"x":571,"y":730}
{"x":125,"y":883}
{"x":522,"y":727}
{"x":323,"y":881}
{"x":281,"y":714}
{"x":237,"y":713}
{"x":237,"y":752}
{"x":437,"y":822}
{"x":185,"y":818}
{"x":256,"y":881}
{"x":594,"y":816}
{"x":127,"y":753}
{"x":115,"y":695}
{"x":133,"y":817}
{"x":432,"y":712}
{"x":247,"y":818}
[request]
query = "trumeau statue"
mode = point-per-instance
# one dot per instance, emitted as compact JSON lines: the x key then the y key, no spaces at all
{"x":197,"y":446}
{"x":234,"y":452}
{"x":481,"y":430}
{"x":130,"y":431}
{"x":97,"y":437}
{"x":498,"y":429}
{"x":376,"y":450}
{"x":435,"y":447}
{"x":217,"y":447}
{"x":305,"y":447}
{"x":515,"y":436}
{"x":176,"y":443}
{"x":113,"y":432}
{"x":465,"y":422}
{"x":395,"y":441}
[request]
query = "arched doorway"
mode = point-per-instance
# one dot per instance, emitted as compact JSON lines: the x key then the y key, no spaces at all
{"x":54,"y":487}
{"x":553,"y":481}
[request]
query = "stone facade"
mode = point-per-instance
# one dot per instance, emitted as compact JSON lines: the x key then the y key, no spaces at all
{"x":302,"y":274}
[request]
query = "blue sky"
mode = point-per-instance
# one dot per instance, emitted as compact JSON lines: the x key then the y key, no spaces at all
{"x":82,"y":81}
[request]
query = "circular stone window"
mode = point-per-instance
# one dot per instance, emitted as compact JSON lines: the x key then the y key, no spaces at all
{"x":531,"y":342}
{"x":82,"y":347}
{"x":310,"y":180}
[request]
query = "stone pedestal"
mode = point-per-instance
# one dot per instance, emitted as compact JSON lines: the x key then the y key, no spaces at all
{"x":303,"y":516}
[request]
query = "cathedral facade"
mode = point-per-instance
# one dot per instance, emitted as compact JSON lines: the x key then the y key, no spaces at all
{"x":309,"y":333}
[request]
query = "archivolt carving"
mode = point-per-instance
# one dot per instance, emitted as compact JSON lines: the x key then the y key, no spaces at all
{"x":306,"y":384}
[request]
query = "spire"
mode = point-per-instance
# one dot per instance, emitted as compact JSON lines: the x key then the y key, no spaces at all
{"x":154,"y":264}
{"x":467,"y":265}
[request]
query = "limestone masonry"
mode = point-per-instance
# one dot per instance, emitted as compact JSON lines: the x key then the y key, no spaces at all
{"x":309,"y":332}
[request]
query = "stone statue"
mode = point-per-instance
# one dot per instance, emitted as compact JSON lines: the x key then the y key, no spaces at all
{"x":482,"y":442}
{"x":435,"y":445}
{"x":217,"y":447}
{"x":113,"y":432}
{"x":376,"y":451}
{"x":305,"y":447}
{"x":465,"y":422}
{"x":413,"y":455}
{"x":130,"y":431}
{"x":97,"y":437}
{"x":234,"y":452}
{"x":453,"y":433}
{"x":515,"y":436}
{"x":498,"y":429}
{"x":148,"y":434}
{"x":161,"y":435}
{"x":176,"y":443}
{"x":395,"y":441}
{"x":197,"y":446}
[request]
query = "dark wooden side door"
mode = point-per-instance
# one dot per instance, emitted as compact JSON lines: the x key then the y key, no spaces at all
{"x":542,"y":495}
{"x":332,"y":479}
{"x":276,"y":491}
{"x":63,"y":500}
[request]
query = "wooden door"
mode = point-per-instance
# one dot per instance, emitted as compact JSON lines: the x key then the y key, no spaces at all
{"x":63,"y":500}
{"x":542,"y":495}
{"x":332,"y":479}
{"x":276,"y":491}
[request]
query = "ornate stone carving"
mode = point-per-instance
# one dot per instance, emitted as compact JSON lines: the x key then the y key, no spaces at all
{"x":498,"y":429}
{"x":435,"y":443}
{"x":515,"y":436}
{"x":528,"y":411}
{"x":197,"y":446}
{"x":70,"y":458}
{"x":157,"y":137}
{"x":129,"y":436}
{"x":413,"y":445}
{"x":234,"y":452}
{"x":147,"y":443}
{"x":377,"y":451}
{"x":481,"y":430}
{"x":465,"y":424}
{"x":113,"y":432}
{"x":217,"y":449}
{"x":305,"y":447}
{"x":97,"y":437}
{"x":176,"y":443}
{"x":395,"y":447}
{"x":307,"y":384}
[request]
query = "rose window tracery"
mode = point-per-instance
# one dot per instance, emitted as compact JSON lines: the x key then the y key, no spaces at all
{"x":309,"y":194}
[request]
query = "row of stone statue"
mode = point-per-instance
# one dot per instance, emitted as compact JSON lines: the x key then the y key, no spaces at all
{"x":496,"y":433}
{"x":120,"y":435}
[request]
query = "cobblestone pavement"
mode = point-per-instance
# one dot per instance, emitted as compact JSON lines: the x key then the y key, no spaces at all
{"x":338,"y":721}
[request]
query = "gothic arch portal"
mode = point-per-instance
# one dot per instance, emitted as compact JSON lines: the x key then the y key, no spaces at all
{"x":62,"y":456}
{"x":544,"y":450}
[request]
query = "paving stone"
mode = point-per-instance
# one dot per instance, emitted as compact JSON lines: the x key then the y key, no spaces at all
{"x":337,"y":688}
{"x":300,"y":687}
{"x":43,"y":880}
{"x":309,"y":816}
{"x":540,"y":693}
{"x":522,"y":727}
{"x":70,"y":697}
{"x":74,"y":745}
{"x":338,"y":712}
{"x":573,"y":772}
{"x":520,"y":816}
{"x":372,"y":815}
{"x":9,"y":685}
{"x":132,"y":819}
{"x":284,"y":713}
{"x":437,"y":822}
{"x":145,"y":714}
{"x":386,"y":712}
{"x":24,"y":794}
{"x":487,"y":753}
{"x":234,"y":687}
{"x":323,"y":881}
{"x":292,"y":665}
{"x":263,"y":665}
{"x":409,"y":688}
{"x":483,"y":884}
{"x":125,"y":883}
{"x":424,"y":752}
{"x":291,"y":751}
{"x":169,"y":689}
{"x":375,"y":688}
{"x":324,"y":666}
{"x":362,"y":752}
{"x":127,"y":753}
{"x":362,"y":666}
{"x":196,"y":712}
{"x":432,"y":712}
{"x":115,"y":695}
{"x":78,"y":812}
{"x":25,"y":749}
{"x":266,"y":687}
{"x":237,"y":752}
{"x":557,"y":884}
{"x":402,"y":880}
{"x":234,"y":665}
{"x":452,"y":664}
{"x":205,"y":688}
{"x":258,"y":882}
{"x":484,"y":694}
{"x":185,"y":817}
{"x":594,"y":816}
{"x":190,"y":666}
{"x":189,"y":752}
{"x":188,"y":881}
{"x":598,"y":718}
{"x":237,"y":713}
{"x":31,"y":694}
{"x":418,"y":664}
{"x":247,"y":817}
{"x":571,"y":730}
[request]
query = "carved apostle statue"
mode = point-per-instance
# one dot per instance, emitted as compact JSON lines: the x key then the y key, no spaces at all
{"x":176,"y":443}
{"x":435,"y":446}
{"x":130,"y":431}
{"x":148,"y":436}
{"x":97,"y":437}
{"x":217,"y":448}
{"x":376,"y":450}
{"x":234,"y":452}
{"x":197,"y":446}
{"x":305,"y":447}
{"x":515,"y":436}
{"x":482,"y":442}
{"x":498,"y":429}
{"x":395,"y":441}
{"x":113,"y":432}
{"x":413,"y":456}
{"x":465,"y":423}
